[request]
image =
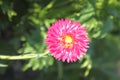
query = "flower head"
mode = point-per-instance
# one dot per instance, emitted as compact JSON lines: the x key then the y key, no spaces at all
{"x":67,"y":40}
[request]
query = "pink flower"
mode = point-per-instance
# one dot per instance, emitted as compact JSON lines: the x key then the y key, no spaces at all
{"x":67,"y":40}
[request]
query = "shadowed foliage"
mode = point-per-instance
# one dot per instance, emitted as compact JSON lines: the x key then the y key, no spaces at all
{"x":23,"y":27}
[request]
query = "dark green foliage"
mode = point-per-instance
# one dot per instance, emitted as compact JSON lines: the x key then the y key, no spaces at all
{"x":23,"y":27}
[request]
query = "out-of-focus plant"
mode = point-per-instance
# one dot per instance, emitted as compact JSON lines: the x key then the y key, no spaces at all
{"x":23,"y":27}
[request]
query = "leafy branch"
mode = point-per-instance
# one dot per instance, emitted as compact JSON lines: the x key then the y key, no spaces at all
{"x":21,"y":57}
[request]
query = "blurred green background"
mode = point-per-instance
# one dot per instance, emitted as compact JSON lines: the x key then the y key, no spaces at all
{"x":23,"y":27}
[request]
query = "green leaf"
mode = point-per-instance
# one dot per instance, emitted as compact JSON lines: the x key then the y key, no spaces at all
{"x":107,"y":26}
{"x":7,"y":8}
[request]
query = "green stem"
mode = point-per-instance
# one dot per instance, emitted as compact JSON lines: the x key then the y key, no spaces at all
{"x":60,"y":71}
{"x":21,"y":57}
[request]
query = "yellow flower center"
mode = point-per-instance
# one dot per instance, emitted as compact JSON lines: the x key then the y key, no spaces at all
{"x":67,"y":41}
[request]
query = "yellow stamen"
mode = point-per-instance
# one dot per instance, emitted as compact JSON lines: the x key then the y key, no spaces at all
{"x":68,"y":45}
{"x":68,"y":39}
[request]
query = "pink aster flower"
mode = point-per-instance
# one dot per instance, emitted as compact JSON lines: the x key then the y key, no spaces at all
{"x":67,"y":40}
